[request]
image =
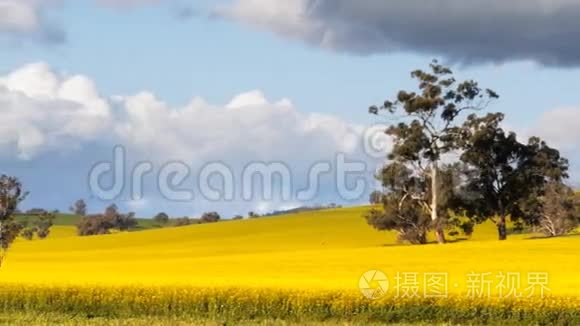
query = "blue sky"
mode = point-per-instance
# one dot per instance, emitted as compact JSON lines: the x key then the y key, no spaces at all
{"x":217,"y":56}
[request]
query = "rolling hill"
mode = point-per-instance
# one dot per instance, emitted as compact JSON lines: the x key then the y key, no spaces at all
{"x":327,"y":249}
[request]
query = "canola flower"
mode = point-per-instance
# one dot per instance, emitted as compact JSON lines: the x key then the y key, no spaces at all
{"x":300,"y":266}
{"x":252,"y":304}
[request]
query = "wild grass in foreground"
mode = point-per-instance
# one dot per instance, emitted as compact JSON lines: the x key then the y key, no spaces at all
{"x":27,"y":319}
{"x":233,"y":305}
{"x":67,"y":320}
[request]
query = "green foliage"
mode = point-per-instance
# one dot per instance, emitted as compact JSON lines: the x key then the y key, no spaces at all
{"x":410,"y":222}
{"x":36,"y":211}
{"x":403,"y":208}
{"x":376,"y":197}
{"x":161,"y":219}
{"x":576,"y":201}
{"x":104,"y":223}
{"x":253,"y":215}
{"x":40,"y":226}
{"x":502,"y":173}
{"x":94,"y":225}
{"x":79,"y":208}
{"x":460,"y":225}
{"x":8,"y":233}
{"x":61,"y":219}
{"x":125,"y":222}
{"x":184,"y":221}
{"x":11,"y":194}
{"x":405,"y":204}
{"x":433,"y":112}
{"x":210,"y":217}
{"x":554,"y":211}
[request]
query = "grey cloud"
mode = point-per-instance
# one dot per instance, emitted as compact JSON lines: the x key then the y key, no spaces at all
{"x":559,"y":127}
{"x":51,"y":34}
{"x":24,"y":20}
{"x":184,"y":13}
{"x":126,"y":3}
{"x":466,"y":31}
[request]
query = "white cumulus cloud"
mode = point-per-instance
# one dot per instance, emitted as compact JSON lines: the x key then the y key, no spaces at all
{"x":48,"y":110}
{"x":42,"y":110}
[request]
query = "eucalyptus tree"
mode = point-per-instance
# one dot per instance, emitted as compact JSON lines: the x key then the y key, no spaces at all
{"x":210,"y":217}
{"x":504,"y":176}
{"x":430,"y":120}
{"x":494,"y":182}
{"x":79,"y":208}
{"x":11,"y":194}
{"x":161,"y":219}
{"x":556,"y":211}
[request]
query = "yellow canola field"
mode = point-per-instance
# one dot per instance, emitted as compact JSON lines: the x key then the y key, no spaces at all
{"x":308,"y":251}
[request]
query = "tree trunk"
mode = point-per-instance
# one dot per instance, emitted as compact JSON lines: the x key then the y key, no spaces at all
{"x":423,"y":238}
{"x":501,"y":228}
{"x":501,"y":225}
{"x":434,"y":204}
{"x":1,"y":243}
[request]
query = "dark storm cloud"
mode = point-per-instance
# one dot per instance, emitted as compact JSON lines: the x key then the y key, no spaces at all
{"x":544,"y":31}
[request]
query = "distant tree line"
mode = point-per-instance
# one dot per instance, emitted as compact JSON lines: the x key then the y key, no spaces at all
{"x":450,"y":167}
{"x":163,"y":220}
{"x":35,"y":212}
{"x":296,"y":210}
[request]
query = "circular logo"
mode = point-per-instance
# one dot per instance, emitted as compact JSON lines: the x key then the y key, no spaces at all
{"x":376,"y":143}
{"x":373,"y":284}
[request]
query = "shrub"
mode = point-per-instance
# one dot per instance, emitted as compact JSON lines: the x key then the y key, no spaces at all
{"x":103,"y":223}
{"x":184,"y":221}
{"x":461,"y":225}
{"x":94,"y":225}
{"x":39,"y":227}
{"x":411,"y":223}
{"x":210,"y":217}
{"x":36,"y":211}
{"x":79,"y":208}
{"x":161,"y":219}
